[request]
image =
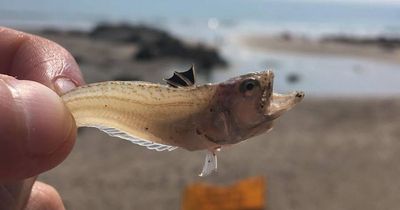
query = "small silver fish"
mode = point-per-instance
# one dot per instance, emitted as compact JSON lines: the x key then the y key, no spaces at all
{"x":182,"y":114}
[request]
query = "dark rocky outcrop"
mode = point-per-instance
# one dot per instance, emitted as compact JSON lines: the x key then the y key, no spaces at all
{"x":155,"y":43}
{"x":59,"y":32}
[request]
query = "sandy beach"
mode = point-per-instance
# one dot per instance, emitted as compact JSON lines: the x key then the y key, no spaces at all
{"x":327,"y":153}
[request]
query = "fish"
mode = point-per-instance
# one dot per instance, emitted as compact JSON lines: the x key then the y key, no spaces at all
{"x":181,"y":113}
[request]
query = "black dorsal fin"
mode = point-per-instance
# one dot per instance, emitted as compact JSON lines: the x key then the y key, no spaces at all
{"x":182,"y":79}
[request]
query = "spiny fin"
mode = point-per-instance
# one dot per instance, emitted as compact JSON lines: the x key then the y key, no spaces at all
{"x":189,"y":76}
{"x":136,"y":140}
{"x":210,"y":164}
{"x":182,"y":79}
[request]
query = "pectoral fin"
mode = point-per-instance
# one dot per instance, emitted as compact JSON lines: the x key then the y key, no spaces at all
{"x":210,"y":164}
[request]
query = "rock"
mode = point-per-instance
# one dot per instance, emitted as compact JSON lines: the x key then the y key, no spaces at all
{"x":155,"y":43}
{"x":293,"y":78}
{"x":286,"y":36}
{"x":60,"y":32}
{"x":126,"y":33}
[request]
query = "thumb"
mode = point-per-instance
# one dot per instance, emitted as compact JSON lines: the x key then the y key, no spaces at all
{"x":36,"y":130}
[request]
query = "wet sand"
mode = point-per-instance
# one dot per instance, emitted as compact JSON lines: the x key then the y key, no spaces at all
{"x":324,"y":154}
{"x":300,"y":45}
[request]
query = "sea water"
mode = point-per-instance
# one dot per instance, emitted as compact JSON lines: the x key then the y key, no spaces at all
{"x":367,"y":17}
{"x":222,"y":22}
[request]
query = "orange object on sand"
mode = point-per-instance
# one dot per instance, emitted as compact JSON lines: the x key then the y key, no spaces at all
{"x":247,"y":194}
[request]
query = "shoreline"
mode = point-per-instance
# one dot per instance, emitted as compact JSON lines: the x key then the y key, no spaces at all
{"x":292,"y":44}
{"x":112,"y":54}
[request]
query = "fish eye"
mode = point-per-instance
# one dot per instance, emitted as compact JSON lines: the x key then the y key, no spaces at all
{"x":249,"y":85}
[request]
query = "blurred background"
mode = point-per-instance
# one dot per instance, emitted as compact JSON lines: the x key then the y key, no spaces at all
{"x":336,"y":150}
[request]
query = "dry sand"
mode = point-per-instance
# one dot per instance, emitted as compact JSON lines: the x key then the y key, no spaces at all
{"x":324,"y":154}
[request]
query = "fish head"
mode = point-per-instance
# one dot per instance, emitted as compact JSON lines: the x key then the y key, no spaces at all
{"x":247,"y":106}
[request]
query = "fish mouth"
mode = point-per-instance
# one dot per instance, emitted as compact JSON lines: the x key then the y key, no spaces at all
{"x":280,"y":103}
{"x":268,"y":90}
{"x":273,"y":104}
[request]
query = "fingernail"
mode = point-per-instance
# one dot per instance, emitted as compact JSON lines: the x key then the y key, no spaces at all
{"x":64,"y":84}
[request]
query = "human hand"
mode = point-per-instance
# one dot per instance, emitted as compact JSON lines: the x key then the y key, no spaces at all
{"x":37,"y":132}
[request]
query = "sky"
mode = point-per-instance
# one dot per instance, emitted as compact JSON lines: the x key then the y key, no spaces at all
{"x":352,"y":1}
